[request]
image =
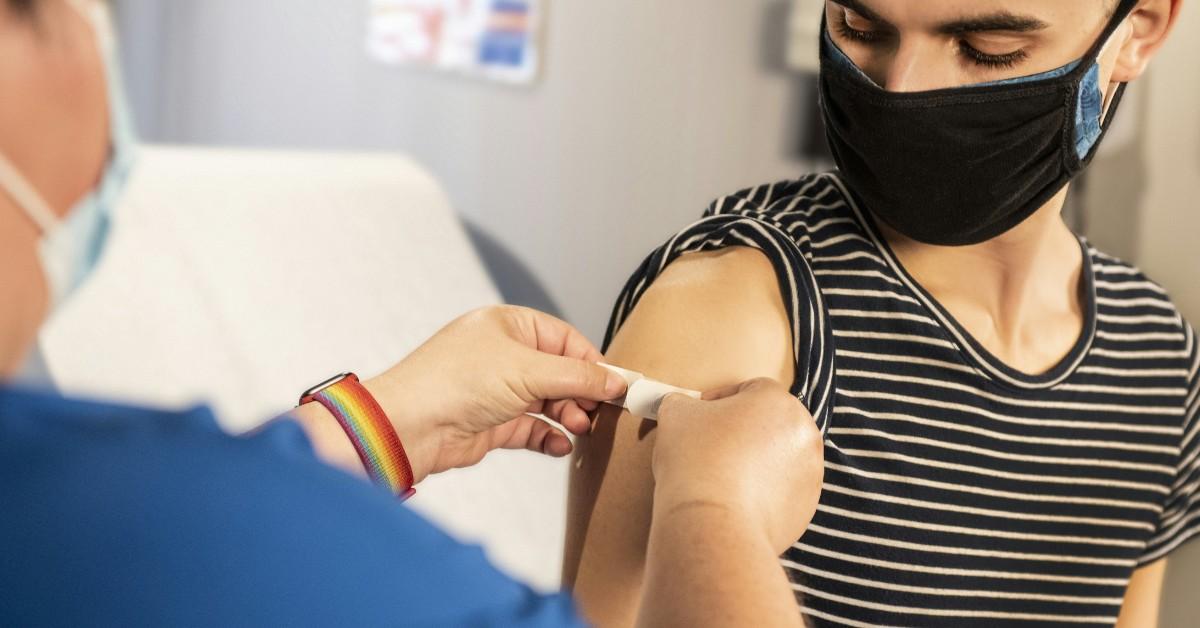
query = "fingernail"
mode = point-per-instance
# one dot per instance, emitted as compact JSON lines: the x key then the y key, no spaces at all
{"x":614,"y":386}
{"x":548,"y":447}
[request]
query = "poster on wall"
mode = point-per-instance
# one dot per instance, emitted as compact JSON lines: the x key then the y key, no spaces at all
{"x":493,"y":39}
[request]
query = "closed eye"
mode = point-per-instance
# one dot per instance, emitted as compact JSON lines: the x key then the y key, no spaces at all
{"x":1000,"y":61}
{"x":858,"y":29}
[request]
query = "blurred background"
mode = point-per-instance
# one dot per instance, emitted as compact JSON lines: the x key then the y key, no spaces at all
{"x":640,"y":113}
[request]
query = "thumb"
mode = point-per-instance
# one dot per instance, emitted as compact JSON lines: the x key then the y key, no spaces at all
{"x":554,"y":377}
{"x":678,"y":407}
{"x":748,"y":386}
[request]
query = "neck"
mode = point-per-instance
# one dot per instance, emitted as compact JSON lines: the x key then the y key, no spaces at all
{"x":1018,"y":294}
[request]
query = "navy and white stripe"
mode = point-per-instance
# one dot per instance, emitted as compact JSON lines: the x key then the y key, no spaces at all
{"x":959,"y":491}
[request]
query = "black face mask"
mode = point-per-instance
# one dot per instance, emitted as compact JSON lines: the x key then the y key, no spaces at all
{"x":958,"y":166}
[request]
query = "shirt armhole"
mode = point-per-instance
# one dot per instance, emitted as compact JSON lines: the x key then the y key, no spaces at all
{"x":812,"y":338}
{"x":1180,"y":518}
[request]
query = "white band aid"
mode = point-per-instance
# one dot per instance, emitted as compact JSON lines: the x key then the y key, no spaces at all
{"x":645,"y":395}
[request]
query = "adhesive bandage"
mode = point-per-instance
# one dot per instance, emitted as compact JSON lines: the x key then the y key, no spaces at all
{"x":644,"y":395}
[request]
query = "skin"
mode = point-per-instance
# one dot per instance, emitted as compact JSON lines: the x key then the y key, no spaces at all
{"x":710,"y":508}
{"x":58,"y":134}
{"x":450,"y":411}
{"x":734,"y":310}
{"x":450,"y":407}
{"x":1019,"y":294}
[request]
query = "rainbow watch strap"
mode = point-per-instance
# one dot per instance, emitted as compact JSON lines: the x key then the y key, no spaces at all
{"x":369,"y":429}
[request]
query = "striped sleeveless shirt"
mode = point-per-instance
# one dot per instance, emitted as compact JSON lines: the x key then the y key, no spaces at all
{"x":959,"y":491}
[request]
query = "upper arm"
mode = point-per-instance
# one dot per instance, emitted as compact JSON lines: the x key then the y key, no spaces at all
{"x":710,"y":320}
{"x":1143,"y":597}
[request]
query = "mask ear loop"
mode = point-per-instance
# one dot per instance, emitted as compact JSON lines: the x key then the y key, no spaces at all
{"x":19,"y":188}
{"x":1108,"y":108}
{"x":11,"y":180}
{"x":1123,"y":11}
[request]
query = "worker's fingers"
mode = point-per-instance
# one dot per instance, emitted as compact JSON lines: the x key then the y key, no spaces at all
{"x":571,"y":413}
{"x":722,"y":393}
{"x":553,"y":336}
{"x":676,"y":407}
{"x":534,"y":434}
{"x":555,"y":409}
{"x":553,"y":377}
{"x":754,"y":385}
{"x":568,"y":414}
{"x":577,"y":346}
{"x":556,"y":445}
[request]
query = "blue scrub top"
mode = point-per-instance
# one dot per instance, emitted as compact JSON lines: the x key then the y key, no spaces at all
{"x":124,"y":516}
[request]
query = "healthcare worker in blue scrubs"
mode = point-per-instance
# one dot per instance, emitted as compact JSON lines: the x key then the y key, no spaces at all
{"x":117,"y":515}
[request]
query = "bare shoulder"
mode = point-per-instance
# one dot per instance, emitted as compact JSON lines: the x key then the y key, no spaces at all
{"x":709,"y":320}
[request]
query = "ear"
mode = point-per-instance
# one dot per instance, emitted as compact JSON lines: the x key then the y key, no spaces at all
{"x":1147,"y":29}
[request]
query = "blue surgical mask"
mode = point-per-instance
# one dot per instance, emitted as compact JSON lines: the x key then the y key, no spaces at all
{"x":1089,"y":110}
{"x":70,"y":248}
{"x":35,"y":372}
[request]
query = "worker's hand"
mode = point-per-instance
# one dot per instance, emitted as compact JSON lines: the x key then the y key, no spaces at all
{"x":753,"y":449}
{"x":471,"y":387}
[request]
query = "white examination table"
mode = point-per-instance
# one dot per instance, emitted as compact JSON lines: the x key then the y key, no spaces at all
{"x":239,"y":278}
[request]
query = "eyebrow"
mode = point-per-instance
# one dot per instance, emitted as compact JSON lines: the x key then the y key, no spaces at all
{"x":861,"y":9}
{"x":1002,"y":21}
{"x":999,"y":21}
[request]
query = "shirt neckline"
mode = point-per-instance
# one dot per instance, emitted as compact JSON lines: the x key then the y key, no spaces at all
{"x":970,"y":349}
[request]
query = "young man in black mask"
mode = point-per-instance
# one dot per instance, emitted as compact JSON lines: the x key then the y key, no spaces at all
{"x":1011,"y":416}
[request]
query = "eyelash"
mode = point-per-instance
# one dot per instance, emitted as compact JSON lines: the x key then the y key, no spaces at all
{"x":1003,"y":61}
{"x":972,"y":54}
{"x":849,"y":32}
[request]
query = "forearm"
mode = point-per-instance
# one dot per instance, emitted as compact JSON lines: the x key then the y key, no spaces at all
{"x":706,"y":566}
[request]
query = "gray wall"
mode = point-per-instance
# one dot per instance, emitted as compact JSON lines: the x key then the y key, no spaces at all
{"x":644,"y":112}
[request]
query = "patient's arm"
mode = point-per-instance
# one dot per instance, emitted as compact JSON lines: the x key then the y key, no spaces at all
{"x":710,"y":320}
{"x":1143,"y":597}
{"x":735,"y":580}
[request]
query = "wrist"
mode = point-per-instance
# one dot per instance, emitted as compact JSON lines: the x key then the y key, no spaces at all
{"x":329,"y":440}
{"x":419,"y":433}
